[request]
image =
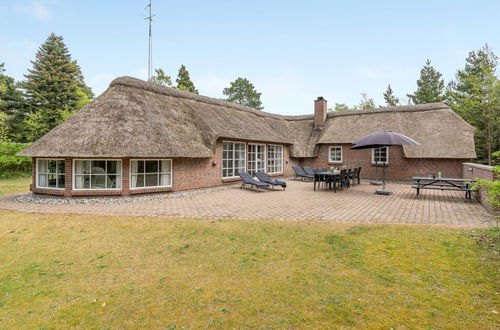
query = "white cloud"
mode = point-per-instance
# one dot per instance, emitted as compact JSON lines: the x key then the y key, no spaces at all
{"x":36,"y":9}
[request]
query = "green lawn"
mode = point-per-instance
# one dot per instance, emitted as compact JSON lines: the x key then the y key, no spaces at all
{"x":15,"y":185}
{"x":90,"y":271}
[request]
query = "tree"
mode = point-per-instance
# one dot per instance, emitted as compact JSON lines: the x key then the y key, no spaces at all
{"x":184,"y":81}
{"x":475,"y":95}
{"x":390,"y":98}
{"x":11,"y":106}
{"x":340,"y":107}
{"x":55,"y":84}
{"x":430,"y":86}
{"x":242,"y":91}
{"x":366,"y":102}
{"x":161,"y":78}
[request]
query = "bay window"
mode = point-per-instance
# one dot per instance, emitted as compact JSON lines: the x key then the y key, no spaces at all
{"x":98,"y":174}
{"x":50,"y":173}
{"x":274,"y":158}
{"x":233,"y":159}
{"x":150,"y":173}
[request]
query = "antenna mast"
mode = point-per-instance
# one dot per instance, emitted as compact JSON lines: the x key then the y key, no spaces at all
{"x":150,"y":46}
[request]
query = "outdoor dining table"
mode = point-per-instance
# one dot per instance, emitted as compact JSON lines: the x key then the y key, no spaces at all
{"x":465,"y":185}
{"x":330,"y":174}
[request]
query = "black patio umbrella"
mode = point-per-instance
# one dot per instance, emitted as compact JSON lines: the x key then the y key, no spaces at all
{"x":383,"y":139}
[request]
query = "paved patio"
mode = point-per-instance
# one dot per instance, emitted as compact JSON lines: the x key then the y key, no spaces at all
{"x":298,"y":203}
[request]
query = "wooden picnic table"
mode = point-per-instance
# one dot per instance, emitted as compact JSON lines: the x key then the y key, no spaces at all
{"x":465,"y":185}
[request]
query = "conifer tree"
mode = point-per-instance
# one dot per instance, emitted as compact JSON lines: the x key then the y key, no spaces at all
{"x":430,"y":86}
{"x":12,"y":108}
{"x":366,"y":102}
{"x":184,"y":81}
{"x":475,"y":95}
{"x":389,"y":97}
{"x":54,"y":86}
{"x":161,"y":78}
{"x":242,"y":91}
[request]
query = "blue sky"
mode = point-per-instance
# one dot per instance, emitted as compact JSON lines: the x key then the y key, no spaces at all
{"x":293,"y":51}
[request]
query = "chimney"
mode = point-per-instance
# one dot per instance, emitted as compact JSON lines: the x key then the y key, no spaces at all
{"x":319,"y":112}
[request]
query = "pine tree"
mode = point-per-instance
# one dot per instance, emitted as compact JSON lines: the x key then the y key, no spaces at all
{"x":242,"y":91}
{"x":184,"y":81}
{"x":55,"y":84}
{"x":161,"y":78}
{"x":11,"y":106}
{"x":430,"y":86}
{"x":475,"y":95}
{"x":389,"y":97}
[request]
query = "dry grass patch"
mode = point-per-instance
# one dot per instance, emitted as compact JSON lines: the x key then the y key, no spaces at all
{"x":97,"y":271}
{"x":15,"y":185}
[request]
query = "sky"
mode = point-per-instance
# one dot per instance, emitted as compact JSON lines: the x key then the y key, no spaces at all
{"x":292,"y":51}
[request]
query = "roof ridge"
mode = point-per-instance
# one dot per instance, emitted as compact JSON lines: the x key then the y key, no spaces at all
{"x":155,"y":88}
{"x":400,"y":108}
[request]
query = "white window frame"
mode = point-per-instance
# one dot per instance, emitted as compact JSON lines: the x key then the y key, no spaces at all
{"x":380,"y":163}
{"x":248,"y":158}
{"x":282,"y":159}
{"x":159,"y":173}
{"x":73,"y":183}
{"x":37,"y":173}
{"x":330,"y":155}
{"x":222,"y":157}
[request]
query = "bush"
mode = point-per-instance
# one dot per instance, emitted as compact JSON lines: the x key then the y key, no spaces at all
{"x":12,"y":165}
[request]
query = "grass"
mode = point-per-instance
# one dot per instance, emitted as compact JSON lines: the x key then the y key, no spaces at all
{"x":102,"y":271}
{"x":14,"y":185}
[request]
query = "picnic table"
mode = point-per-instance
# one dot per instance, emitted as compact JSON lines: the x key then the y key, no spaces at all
{"x":444,"y":184}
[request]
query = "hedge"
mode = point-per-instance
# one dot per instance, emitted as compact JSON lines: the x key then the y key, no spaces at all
{"x":10,"y":164}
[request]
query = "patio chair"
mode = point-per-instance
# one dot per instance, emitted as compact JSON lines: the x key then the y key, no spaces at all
{"x":263,"y":177}
{"x":357,"y":175}
{"x":354,"y":175}
{"x":319,"y":170}
{"x":299,"y":173}
{"x":343,"y":179}
{"x":309,"y":170}
{"x":247,"y":179}
{"x":348,"y":178}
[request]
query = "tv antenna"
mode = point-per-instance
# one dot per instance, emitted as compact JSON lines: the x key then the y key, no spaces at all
{"x":150,"y":46}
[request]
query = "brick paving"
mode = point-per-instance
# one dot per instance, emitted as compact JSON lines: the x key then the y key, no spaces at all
{"x":298,"y":203}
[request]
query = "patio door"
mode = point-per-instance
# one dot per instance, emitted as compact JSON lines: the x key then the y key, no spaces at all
{"x":256,"y":158}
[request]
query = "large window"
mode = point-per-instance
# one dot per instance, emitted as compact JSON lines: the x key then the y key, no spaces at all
{"x":274,"y":158}
{"x":50,"y":173}
{"x":233,"y":159}
{"x":335,"y":155}
{"x":380,"y":155}
{"x":256,"y":158}
{"x":150,"y":173}
{"x":98,"y":174}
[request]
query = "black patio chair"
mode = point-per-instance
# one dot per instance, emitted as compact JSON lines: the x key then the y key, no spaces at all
{"x":263,"y":177}
{"x":357,"y":175}
{"x":299,"y":173}
{"x":348,"y":178}
{"x":319,"y":170}
{"x":309,"y":170}
{"x":247,"y":179}
{"x":343,"y":179}
{"x":354,"y":175}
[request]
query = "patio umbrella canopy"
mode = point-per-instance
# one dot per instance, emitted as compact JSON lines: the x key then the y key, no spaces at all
{"x":383,"y":139}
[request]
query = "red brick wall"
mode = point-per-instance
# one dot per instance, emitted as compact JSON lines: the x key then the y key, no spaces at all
{"x":473,"y":171}
{"x":398,"y":168}
{"x":188,"y":173}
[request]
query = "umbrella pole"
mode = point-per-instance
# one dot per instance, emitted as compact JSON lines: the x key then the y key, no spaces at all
{"x":383,"y":191}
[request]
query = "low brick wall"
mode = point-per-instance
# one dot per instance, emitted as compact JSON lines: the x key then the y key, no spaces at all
{"x":472,"y":171}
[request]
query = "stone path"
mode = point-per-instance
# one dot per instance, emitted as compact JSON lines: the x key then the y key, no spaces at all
{"x":298,"y":203}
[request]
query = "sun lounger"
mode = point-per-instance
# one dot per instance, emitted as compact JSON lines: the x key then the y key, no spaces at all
{"x":263,"y":177}
{"x":299,"y":173}
{"x":247,"y":179}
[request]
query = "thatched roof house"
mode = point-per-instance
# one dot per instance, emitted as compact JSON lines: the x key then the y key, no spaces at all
{"x":134,"y":119}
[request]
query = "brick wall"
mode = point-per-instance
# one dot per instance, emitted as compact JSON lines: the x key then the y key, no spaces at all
{"x":398,"y":168}
{"x":473,"y":171}
{"x":188,"y":173}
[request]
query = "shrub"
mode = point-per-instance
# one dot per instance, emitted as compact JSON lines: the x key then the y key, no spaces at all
{"x":12,"y":165}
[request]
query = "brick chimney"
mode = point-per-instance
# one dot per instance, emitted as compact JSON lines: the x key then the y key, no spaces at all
{"x":320,"y":111}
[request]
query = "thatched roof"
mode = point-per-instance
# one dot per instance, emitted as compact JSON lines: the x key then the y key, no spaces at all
{"x":133,"y":118}
{"x":442,"y":133}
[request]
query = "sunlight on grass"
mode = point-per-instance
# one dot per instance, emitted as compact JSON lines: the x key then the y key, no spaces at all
{"x":93,"y":271}
{"x":16,"y":185}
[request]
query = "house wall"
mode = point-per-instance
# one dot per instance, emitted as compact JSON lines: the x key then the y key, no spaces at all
{"x":398,"y":168}
{"x":188,"y":173}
